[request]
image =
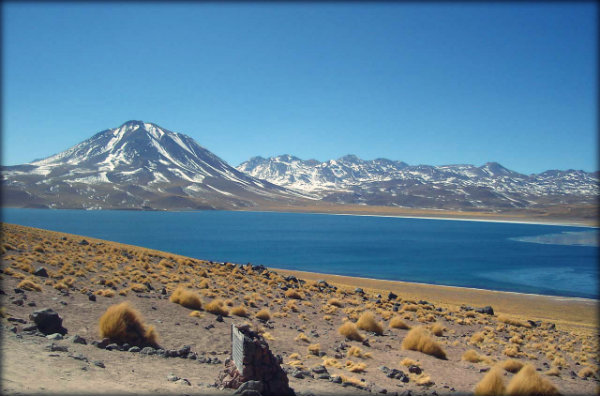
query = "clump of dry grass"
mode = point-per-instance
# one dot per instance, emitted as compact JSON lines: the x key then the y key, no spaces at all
{"x":335,"y":302}
{"x":350,"y":331}
{"x":217,"y":307}
{"x":196,"y":314}
{"x":356,"y":351}
{"x":471,"y":356}
{"x":554,"y":372}
{"x":419,"y":340}
{"x":355,"y":367}
{"x":512,"y":365}
{"x":513,"y":322}
{"x":103,"y":292}
{"x":186,"y":298}
{"x":263,"y":315}
{"x":240,"y":310}
{"x":293,"y":293}
{"x":367,"y":322}
{"x":528,"y":382}
{"x":438,"y":329}
{"x":409,"y":362}
{"x":314,"y":349}
{"x":398,"y":323}
{"x":586,"y":372}
{"x":491,"y":384}
{"x":29,"y":285}
{"x":121,"y":323}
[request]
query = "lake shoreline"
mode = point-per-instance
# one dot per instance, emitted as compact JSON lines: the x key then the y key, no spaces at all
{"x":576,"y":312}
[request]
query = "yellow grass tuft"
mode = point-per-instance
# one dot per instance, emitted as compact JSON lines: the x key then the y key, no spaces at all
{"x":350,"y":331}
{"x":512,"y":365}
{"x":438,"y":329}
{"x":586,"y":372}
{"x":196,"y":314}
{"x":355,"y":367}
{"x":408,"y":362}
{"x":121,"y":323}
{"x":186,"y":298}
{"x":528,"y":382}
{"x":301,"y":337}
{"x":335,"y":302}
{"x":491,"y":384}
{"x":419,"y":340}
{"x":27,"y":284}
{"x":367,"y":322}
{"x":293,"y":293}
{"x":217,"y":307}
{"x":240,"y":310}
{"x":513,"y":322}
{"x":263,"y":315}
{"x":554,"y":372}
{"x":471,"y":356}
{"x":331,"y":362}
{"x":314,"y":349}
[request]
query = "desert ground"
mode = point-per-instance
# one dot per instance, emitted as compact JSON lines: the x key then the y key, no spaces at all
{"x":391,"y":337}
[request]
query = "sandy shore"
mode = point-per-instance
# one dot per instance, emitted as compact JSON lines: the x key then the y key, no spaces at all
{"x":567,"y":311}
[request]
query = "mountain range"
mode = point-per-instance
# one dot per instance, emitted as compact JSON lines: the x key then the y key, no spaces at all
{"x":140,"y":165}
{"x":351,"y":180}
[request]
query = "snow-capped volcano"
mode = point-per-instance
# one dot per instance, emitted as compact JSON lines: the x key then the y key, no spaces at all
{"x":351,"y":180}
{"x":136,"y":165}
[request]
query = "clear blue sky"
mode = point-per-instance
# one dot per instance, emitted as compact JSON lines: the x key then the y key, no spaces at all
{"x":427,"y":84}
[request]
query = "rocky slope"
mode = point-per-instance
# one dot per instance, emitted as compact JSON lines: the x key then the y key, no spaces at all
{"x":351,"y":180}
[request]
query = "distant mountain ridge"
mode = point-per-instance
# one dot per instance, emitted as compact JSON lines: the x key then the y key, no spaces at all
{"x":351,"y":180}
{"x":137,"y":165}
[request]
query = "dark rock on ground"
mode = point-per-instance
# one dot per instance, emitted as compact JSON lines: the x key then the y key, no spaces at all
{"x":41,"y":272}
{"x":48,"y":321}
{"x":485,"y":310}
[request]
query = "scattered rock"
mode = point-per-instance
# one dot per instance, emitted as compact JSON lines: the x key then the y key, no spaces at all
{"x":172,"y":378}
{"x":134,"y":349}
{"x":48,"y":321}
{"x":111,"y":347}
{"x":148,"y":351}
{"x":18,"y":302}
{"x":83,"y":242}
{"x":41,"y":272}
{"x":98,"y":364}
{"x":359,"y":290}
{"x":79,"y":356}
{"x":16,"y":320}
{"x":91,"y":296}
{"x":183,"y":381}
{"x":485,"y":310}
{"x":392,"y":296}
{"x":319,"y":369}
{"x":336,"y":379}
{"x":101,"y":344}
{"x":57,"y":348}
{"x":256,"y":386}
{"x":415,"y":369}
{"x":210,"y":326}
{"x":55,"y":336}
{"x":219,"y":318}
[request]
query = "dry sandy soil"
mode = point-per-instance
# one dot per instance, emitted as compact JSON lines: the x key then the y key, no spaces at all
{"x":301,"y":327}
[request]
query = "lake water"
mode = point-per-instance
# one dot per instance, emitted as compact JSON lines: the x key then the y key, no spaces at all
{"x":526,"y":258}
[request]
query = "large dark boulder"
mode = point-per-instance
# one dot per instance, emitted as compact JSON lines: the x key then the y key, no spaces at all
{"x":48,"y":321}
{"x":485,"y":310}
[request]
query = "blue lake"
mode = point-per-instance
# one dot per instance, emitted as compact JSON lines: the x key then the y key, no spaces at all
{"x":526,"y":258}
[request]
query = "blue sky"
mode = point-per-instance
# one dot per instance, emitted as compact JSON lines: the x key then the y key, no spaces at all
{"x":433,"y":83}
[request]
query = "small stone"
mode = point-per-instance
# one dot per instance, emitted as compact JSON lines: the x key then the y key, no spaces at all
{"x":18,"y":302}
{"x":148,"y":351}
{"x":31,"y":304}
{"x":41,"y":272}
{"x":210,"y":326}
{"x":172,"y":377}
{"x":16,"y":320}
{"x":219,"y":318}
{"x":484,"y":370}
{"x":392,"y":296}
{"x":183,"y":381}
{"x":30,"y":328}
{"x":98,"y":364}
{"x":91,"y":296}
{"x":79,"y":356}
{"x":324,"y":376}
{"x":359,"y":290}
{"x":134,"y":349}
{"x":414,"y":369}
{"x":319,"y":369}
{"x":56,"y":348}
{"x":111,"y":347}
{"x":55,"y":336}
{"x":336,"y":379}
{"x":83,"y":242}
{"x":256,"y":386}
